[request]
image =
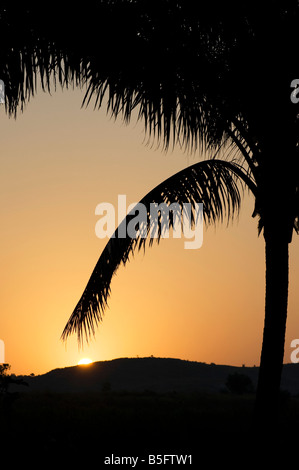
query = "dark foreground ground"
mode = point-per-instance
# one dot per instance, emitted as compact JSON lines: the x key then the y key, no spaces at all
{"x":215,"y":429}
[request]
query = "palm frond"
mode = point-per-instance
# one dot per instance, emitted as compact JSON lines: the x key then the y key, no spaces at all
{"x":172,"y":62}
{"x":211,"y":182}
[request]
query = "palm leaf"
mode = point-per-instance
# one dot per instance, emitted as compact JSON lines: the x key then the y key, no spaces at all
{"x":212,"y":182}
{"x":179,"y":78}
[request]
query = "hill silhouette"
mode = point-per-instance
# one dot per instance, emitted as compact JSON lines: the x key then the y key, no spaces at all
{"x":159,"y":375}
{"x":153,"y":406}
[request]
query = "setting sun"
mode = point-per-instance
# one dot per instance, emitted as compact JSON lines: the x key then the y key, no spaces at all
{"x":84,"y":361}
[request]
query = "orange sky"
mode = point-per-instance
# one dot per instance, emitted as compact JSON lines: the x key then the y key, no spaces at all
{"x":58,"y":162}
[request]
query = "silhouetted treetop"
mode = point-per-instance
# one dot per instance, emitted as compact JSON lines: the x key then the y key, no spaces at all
{"x":190,"y":70}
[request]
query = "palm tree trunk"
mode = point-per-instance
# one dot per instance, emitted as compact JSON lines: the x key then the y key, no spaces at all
{"x":277,"y":278}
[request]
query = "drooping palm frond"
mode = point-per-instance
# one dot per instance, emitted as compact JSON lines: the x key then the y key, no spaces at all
{"x":211,"y":182}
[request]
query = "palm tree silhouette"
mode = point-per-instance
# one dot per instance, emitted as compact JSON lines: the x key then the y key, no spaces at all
{"x":205,"y":77}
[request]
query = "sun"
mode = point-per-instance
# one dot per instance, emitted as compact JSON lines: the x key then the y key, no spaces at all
{"x":85,"y":361}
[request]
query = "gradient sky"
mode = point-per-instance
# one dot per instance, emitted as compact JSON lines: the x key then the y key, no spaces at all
{"x":58,"y":162}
